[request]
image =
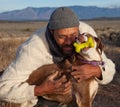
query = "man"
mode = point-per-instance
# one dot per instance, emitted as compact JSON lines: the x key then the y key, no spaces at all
{"x":47,"y":46}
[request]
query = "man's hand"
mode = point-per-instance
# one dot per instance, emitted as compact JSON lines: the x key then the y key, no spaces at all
{"x":85,"y":71}
{"x":51,"y":86}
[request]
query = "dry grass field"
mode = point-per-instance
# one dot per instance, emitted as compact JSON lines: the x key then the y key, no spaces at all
{"x":12,"y":34}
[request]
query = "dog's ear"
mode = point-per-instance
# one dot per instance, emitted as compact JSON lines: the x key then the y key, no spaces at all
{"x":100,"y":45}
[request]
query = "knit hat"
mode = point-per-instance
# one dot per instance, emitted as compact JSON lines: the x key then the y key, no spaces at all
{"x":63,"y":17}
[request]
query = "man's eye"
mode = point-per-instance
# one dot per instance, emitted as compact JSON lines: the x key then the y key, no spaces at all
{"x":74,"y":36}
{"x":62,"y":37}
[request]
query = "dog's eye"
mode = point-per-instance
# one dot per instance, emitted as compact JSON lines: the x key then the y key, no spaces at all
{"x":85,"y":38}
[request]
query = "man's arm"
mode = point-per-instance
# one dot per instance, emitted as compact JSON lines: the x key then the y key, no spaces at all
{"x":30,"y":56}
{"x":86,"y":71}
{"x":51,"y":86}
{"x":103,"y":74}
{"x":108,"y":70}
{"x":13,"y":87}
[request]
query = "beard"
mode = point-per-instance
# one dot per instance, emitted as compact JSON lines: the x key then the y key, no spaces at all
{"x":67,"y":50}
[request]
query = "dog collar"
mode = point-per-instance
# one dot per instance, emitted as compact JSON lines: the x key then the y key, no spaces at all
{"x":95,"y":63}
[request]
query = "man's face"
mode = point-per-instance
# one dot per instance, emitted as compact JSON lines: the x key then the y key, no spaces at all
{"x":65,"y":39}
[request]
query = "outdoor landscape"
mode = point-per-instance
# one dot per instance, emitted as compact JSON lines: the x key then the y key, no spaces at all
{"x":12,"y":34}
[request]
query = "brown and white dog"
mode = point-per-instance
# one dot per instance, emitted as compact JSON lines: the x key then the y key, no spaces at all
{"x":82,"y":93}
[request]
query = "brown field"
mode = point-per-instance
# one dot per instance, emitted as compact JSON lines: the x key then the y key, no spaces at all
{"x":12,"y":34}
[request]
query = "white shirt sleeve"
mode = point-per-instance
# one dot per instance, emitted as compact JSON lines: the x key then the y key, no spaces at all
{"x":108,"y":70}
{"x":30,"y":56}
{"x":13,"y":87}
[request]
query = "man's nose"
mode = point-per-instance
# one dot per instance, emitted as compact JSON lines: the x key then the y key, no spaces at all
{"x":69,"y":40}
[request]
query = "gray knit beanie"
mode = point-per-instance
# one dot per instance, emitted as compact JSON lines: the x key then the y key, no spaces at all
{"x":63,"y":17}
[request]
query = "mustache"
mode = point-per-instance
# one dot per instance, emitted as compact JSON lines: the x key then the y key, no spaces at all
{"x":67,"y":46}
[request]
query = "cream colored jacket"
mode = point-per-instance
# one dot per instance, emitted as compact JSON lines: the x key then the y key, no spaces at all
{"x":31,"y":55}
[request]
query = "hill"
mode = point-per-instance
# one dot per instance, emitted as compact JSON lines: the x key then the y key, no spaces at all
{"x":84,"y":12}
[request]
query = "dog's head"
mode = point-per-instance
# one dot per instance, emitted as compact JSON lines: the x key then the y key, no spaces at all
{"x":90,"y":47}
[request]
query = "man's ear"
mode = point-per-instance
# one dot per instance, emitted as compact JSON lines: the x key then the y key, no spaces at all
{"x":100,"y":45}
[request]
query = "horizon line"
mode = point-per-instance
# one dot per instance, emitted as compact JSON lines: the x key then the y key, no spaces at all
{"x":57,"y":7}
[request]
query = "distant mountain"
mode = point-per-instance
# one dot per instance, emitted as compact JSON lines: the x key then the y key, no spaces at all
{"x":84,"y":12}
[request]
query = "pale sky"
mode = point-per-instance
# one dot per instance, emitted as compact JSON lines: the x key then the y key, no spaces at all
{"x":8,"y":5}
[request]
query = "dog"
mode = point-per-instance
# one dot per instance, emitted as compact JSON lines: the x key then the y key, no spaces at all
{"x":84,"y":92}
